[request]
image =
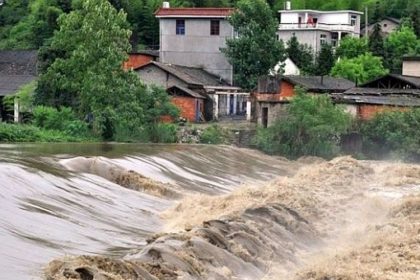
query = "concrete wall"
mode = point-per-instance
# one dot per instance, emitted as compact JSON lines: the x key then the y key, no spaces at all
{"x":153,"y":75}
{"x":307,"y":37}
{"x":387,"y":27}
{"x":197,"y":48}
{"x":275,"y":111}
{"x":411,"y":68}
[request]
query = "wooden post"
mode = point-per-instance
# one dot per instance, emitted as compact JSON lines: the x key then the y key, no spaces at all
{"x":366,"y":22}
{"x":16,"y":110}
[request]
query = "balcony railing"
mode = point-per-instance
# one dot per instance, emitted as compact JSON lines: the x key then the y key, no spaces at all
{"x":323,"y":26}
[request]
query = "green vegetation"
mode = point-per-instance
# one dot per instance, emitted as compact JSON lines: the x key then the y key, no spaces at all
{"x":313,"y":126}
{"x":31,"y":133}
{"x":351,"y":47}
{"x":393,"y":133}
{"x":87,"y":76}
{"x":301,"y":55}
{"x":256,"y":50}
{"x":361,"y":69}
{"x":213,"y":135}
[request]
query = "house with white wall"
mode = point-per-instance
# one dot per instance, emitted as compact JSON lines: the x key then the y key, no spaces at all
{"x":314,"y":28}
{"x":193,"y":37}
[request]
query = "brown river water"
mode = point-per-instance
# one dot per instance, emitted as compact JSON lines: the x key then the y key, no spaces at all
{"x":125,"y":211}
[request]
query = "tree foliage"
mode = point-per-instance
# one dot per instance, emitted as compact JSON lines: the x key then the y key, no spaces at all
{"x":255,"y":50}
{"x":302,"y":55}
{"x":351,"y":47}
{"x":88,"y":77}
{"x":313,"y":126}
{"x":361,"y":69}
{"x":325,"y":60}
{"x":394,"y":133}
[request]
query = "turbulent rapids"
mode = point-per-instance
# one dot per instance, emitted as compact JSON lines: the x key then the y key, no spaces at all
{"x":201,"y":212}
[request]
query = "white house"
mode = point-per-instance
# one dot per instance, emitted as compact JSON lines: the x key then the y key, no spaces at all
{"x":315,"y":28}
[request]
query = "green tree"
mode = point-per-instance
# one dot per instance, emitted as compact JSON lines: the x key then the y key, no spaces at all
{"x":94,"y":41}
{"x":376,"y":42}
{"x":351,"y":47}
{"x":255,"y":50}
{"x":301,"y":54}
{"x":324,"y":60}
{"x":361,"y":69}
{"x":313,"y":126}
{"x":397,"y":44}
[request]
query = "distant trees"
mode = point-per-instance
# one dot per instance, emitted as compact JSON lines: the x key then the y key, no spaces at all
{"x":255,"y":50}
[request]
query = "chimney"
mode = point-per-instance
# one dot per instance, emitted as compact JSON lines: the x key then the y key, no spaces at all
{"x":166,"y":5}
{"x":288,"y":5}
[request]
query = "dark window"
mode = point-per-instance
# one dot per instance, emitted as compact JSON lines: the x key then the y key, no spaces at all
{"x":180,"y":27}
{"x":214,"y":27}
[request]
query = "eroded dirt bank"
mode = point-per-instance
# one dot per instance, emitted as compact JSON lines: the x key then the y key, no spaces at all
{"x":342,"y":219}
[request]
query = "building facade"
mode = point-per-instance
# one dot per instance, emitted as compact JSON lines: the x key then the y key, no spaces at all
{"x":194,"y":36}
{"x":315,"y":28}
{"x":388,"y":25}
{"x":411,"y":66}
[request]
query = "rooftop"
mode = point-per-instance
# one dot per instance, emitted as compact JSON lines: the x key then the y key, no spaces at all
{"x":194,"y":12}
{"x":190,"y":75}
{"x":408,"y":80}
{"x":319,"y":84}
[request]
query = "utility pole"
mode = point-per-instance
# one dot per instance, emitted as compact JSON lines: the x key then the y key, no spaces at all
{"x":366,"y":22}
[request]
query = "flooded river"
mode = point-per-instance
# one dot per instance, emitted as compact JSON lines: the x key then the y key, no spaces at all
{"x":125,"y":211}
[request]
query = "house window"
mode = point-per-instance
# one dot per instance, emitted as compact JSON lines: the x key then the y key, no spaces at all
{"x":214,"y":27}
{"x":180,"y":27}
{"x":323,"y":39}
{"x":353,"y":20}
{"x":334,"y":39}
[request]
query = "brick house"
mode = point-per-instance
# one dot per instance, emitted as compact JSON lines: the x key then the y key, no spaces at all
{"x":200,"y":95}
{"x":275,"y":92}
{"x":391,"y":92}
{"x":17,"y":68}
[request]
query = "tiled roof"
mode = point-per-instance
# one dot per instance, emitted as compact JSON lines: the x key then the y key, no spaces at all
{"x":188,"y":92}
{"x":411,"y":80}
{"x":190,"y":75}
{"x":18,"y":62}
{"x":382,"y":91}
{"x":10,"y":84}
{"x":319,"y":84}
{"x":393,"y":100}
{"x":194,"y":12}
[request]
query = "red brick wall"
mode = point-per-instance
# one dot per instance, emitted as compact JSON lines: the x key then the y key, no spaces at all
{"x":187,"y":106}
{"x":136,"y":60}
{"x":367,"y":111}
{"x":286,"y":91}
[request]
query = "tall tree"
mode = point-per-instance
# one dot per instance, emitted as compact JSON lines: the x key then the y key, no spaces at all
{"x":376,"y":42}
{"x":88,"y":76}
{"x":255,"y":50}
{"x":301,"y":54}
{"x":325,"y":60}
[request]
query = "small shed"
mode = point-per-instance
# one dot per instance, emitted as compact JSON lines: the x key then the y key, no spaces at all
{"x":189,"y":102}
{"x":140,"y":58}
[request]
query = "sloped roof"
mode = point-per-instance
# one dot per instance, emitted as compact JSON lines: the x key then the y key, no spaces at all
{"x":188,"y":92}
{"x":411,"y":80}
{"x":393,"y":100}
{"x":319,"y":84}
{"x":17,"y":68}
{"x":194,"y":12}
{"x":18,"y":62}
{"x":154,"y":53}
{"x":382,"y":91}
{"x":10,"y":84}
{"x":190,"y":75}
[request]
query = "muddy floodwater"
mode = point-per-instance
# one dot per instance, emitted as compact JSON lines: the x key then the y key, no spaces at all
{"x":125,"y":211}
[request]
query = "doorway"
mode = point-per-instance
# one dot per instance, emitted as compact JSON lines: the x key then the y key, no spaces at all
{"x":265,"y":117}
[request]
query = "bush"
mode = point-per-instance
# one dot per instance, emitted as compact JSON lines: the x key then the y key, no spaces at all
{"x":64,"y":120}
{"x":30,"y":133}
{"x":393,"y":133}
{"x":213,"y":135}
{"x":313,"y":126}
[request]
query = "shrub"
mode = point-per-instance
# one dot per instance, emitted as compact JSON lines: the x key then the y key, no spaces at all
{"x":30,"y":133}
{"x":64,"y":120}
{"x":393,"y":133}
{"x":313,"y":126}
{"x":213,"y":135}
